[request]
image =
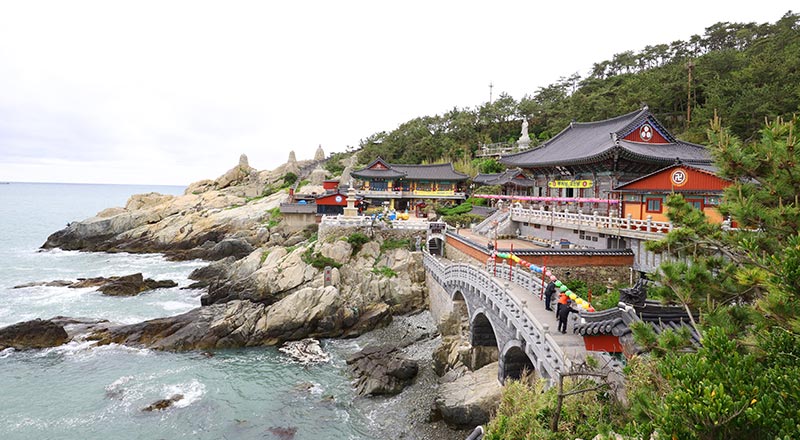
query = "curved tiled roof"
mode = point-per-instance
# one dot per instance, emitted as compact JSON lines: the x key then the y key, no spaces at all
{"x":439,"y":171}
{"x":508,"y":176}
{"x":585,"y":142}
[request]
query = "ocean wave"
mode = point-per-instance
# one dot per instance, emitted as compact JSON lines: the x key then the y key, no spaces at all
{"x":192,"y":391}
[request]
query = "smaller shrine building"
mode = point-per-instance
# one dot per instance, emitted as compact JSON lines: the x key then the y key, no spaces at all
{"x":404,"y":186}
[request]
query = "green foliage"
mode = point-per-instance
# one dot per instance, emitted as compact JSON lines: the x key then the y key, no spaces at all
{"x":334,"y":164}
{"x":357,"y":241}
{"x":318,"y":260}
{"x":722,"y":391}
{"x":264,"y":256}
{"x":744,"y":381}
{"x":489,"y":165}
{"x":274,"y":217}
{"x":461,"y":220}
{"x":744,"y":71}
{"x":289,"y":179}
{"x":384,"y":271}
{"x":454,"y":210}
{"x":395,"y":243}
{"x":488,"y":189}
{"x":475,"y":201}
{"x":525,"y":413}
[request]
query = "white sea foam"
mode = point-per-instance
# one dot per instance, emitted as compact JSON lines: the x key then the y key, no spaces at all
{"x":192,"y":391}
{"x":175,"y":305}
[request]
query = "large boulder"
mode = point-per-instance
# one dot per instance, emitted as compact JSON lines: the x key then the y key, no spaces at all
{"x":230,"y":247}
{"x":471,"y":399}
{"x":32,"y":334}
{"x":381,"y":370}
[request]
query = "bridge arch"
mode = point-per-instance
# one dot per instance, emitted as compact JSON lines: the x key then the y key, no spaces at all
{"x":514,"y":362}
{"x":484,"y":341}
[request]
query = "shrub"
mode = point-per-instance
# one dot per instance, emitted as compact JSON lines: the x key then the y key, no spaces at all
{"x":318,"y":260}
{"x":392,"y":243}
{"x":454,"y":210}
{"x":385,"y":271}
{"x":357,"y":241}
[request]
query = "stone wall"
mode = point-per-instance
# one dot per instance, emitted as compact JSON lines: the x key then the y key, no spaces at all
{"x":440,"y":304}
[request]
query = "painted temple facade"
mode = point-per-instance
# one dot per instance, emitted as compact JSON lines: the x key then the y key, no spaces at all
{"x":512,"y":182}
{"x":588,"y":160}
{"x":699,"y":185}
{"x":404,"y":186}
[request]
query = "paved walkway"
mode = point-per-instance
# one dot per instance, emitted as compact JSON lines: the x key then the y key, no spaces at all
{"x":571,"y":344}
{"x":504,"y":243}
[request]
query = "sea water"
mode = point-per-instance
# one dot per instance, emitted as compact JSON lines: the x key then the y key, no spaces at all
{"x":80,"y":391}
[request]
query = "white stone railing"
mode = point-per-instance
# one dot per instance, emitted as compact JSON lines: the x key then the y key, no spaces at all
{"x":615,"y":225}
{"x":539,"y":342}
{"x":364,"y":220}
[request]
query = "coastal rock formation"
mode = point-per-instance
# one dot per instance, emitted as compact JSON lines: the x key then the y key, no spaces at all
{"x":470,"y":400}
{"x":306,"y":351}
{"x":381,"y":370}
{"x":310,"y":312}
{"x":127,"y":285}
{"x":269,"y":274}
{"x":32,"y":334}
{"x":236,"y":205}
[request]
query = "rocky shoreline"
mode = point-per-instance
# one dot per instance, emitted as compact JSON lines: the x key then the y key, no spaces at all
{"x":265,"y":287}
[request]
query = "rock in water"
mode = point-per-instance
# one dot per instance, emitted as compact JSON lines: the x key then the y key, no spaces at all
{"x":283,"y":433}
{"x":162,"y":404}
{"x":381,"y":370}
{"x":306,"y":351}
{"x":33,"y":334}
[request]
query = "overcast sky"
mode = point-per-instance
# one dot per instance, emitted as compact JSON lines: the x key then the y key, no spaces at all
{"x":170,"y":92}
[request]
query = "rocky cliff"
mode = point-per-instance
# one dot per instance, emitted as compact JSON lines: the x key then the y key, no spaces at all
{"x":234,"y":207}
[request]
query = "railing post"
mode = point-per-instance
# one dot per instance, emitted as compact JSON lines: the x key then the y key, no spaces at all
{"x":649,"y":222}
{"x":628,"y":221}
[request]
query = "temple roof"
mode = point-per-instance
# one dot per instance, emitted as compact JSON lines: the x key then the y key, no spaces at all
{"x":617,"y":321}
{"x":381,"y":169}
{"x":586,"y":142}
{"x":513,"y":176}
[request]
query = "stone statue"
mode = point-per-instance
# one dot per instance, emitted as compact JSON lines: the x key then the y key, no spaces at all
{"x":319,"y":155}
{"x":524,"y":140}
{"x":418,"y":244}
{"x":243,"y":161}
{"x":292,"y":157}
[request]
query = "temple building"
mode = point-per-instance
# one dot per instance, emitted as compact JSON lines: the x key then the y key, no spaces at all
{"x":404,"y":186}
{"x":699,"y":185}
{"x":512,"y":182}
{"x":587,"y":160}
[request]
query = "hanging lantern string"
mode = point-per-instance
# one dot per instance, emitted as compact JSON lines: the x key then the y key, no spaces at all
{"x":582,"y":303}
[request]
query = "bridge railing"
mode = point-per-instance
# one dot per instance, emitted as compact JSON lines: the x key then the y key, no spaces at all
{"x":537,"y":337}
{"x":600,"y":222}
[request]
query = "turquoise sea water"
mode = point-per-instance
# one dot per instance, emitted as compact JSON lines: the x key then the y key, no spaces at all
{"x":78,"y":391}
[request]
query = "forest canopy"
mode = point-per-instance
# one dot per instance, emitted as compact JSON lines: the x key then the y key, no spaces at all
{"x":745,"y":72}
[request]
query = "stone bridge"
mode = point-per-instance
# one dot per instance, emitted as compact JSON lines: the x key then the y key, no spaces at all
{"x":504,"y":311}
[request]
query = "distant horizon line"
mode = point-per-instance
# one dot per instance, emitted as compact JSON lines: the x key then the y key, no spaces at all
{"x":10,"y":182}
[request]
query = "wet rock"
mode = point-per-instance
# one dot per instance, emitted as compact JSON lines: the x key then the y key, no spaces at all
{"x":381,"y":370}
{"x":282,"y":433}
{"x":306,"y":351}
{"x":54,"y":283}
{"x":32,"y":334}
{"x":127,"y":285}
{"x":230,"y":247}
{"x":163,"y":404}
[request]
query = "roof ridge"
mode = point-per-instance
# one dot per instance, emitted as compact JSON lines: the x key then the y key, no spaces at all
{"x":636,"y":113}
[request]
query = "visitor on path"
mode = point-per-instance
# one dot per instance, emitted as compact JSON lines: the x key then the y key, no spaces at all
{"x":563,"y":314}
{"x":562,"y":301}
{"x":548,"y":295}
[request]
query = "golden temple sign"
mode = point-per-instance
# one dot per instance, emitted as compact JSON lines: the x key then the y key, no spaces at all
{"x":570,"y":184}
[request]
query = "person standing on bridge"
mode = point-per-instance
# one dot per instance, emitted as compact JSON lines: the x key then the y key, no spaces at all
{"x":563,"y":314}
{"x":548,"y":295}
